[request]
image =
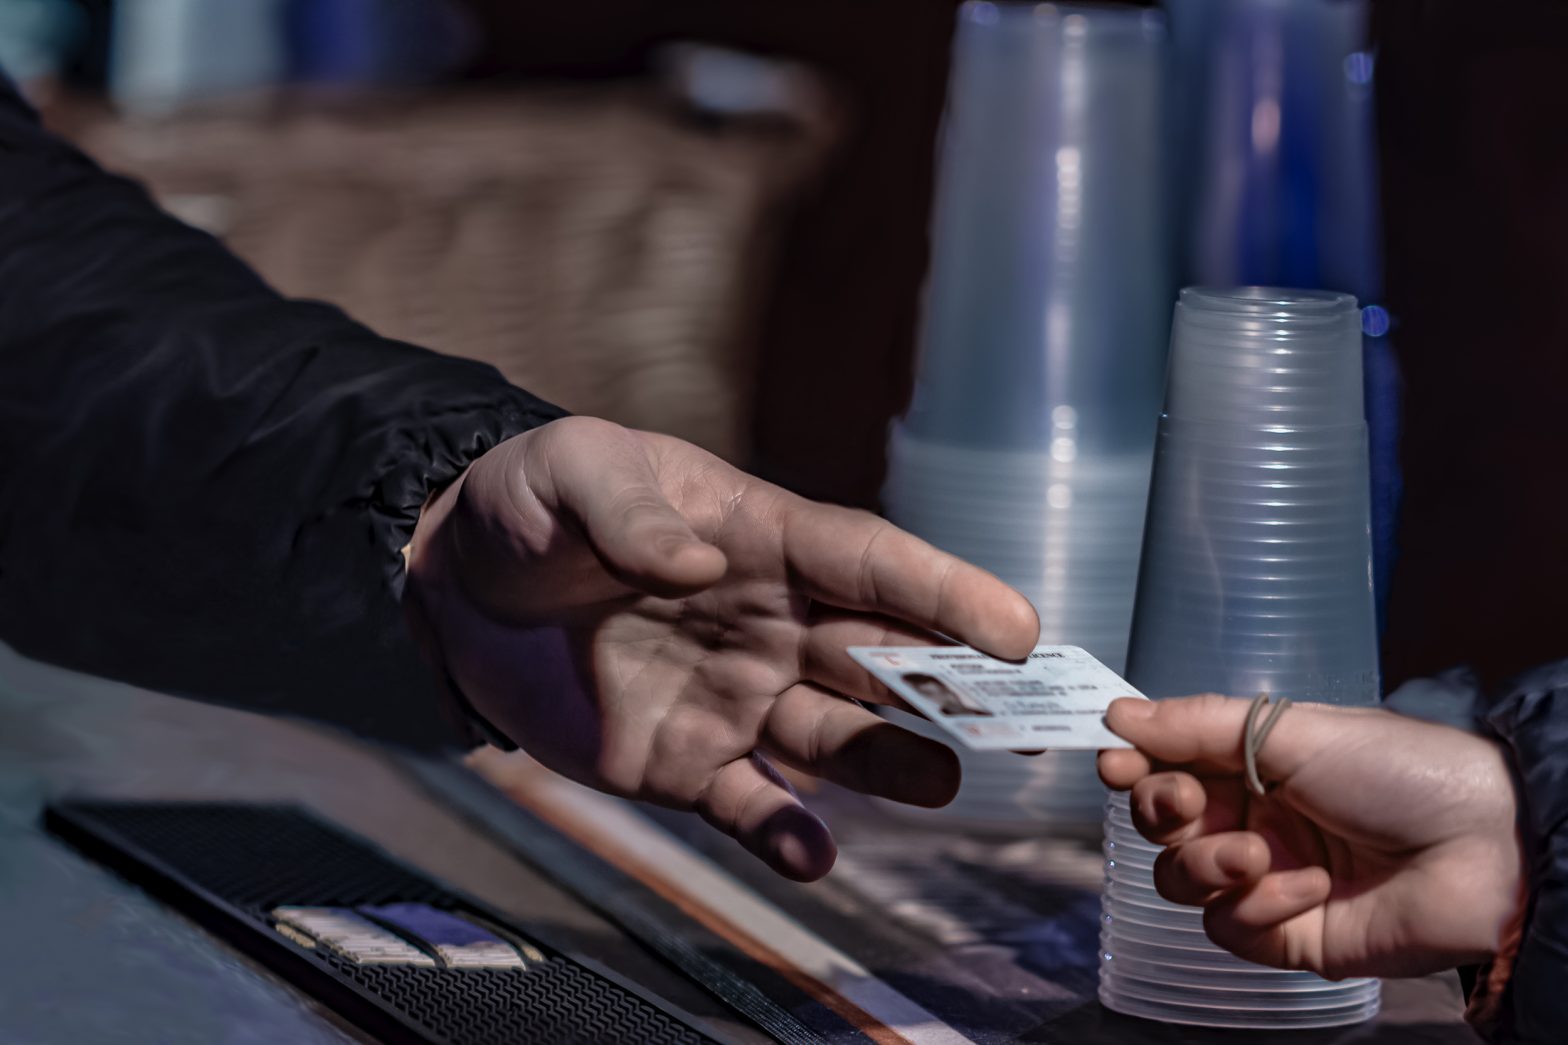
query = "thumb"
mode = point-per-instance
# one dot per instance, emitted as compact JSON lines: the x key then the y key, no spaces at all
{"x":606,"y":480}
{"x":1205,"y":732}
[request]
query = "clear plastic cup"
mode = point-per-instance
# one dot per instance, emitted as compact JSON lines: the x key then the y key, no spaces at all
{"x":1050,"y":281}
{"x":1157,"y":962}
{"x":1255,"y":577}
{"x":1196,"y":974}
{"x":1028,"y":444}
{"x":1265,"y":356}
{"x":1065,"y":533}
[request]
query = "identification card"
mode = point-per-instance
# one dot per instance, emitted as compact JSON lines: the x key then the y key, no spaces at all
{"x":1055,"y":699}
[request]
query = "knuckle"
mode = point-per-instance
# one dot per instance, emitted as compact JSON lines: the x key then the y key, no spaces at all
{"x":866,"y":567}
{"x":579,"y":426}
{"x":741,"y":822}
{"x":816,"y":742}
{"x":1209,"y":704}
{"x":944,"y":582}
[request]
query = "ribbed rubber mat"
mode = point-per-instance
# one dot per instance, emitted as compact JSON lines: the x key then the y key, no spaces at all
{"x":227,"y":866}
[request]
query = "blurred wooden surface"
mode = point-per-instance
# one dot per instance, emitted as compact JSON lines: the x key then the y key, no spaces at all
{"x":599,"y":245}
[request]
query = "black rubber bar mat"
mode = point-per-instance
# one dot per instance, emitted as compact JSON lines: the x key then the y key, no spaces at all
{"x":766,"y":999}
{"x":383,"y":954}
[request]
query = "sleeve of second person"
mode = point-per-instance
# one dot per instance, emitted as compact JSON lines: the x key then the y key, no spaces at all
{"x":1527,"y":1004}
{"x":204,"y":486}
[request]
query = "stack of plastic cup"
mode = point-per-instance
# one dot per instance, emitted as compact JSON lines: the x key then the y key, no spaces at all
{"x":1066,"y":534}
{"x":1050,"y":274}
{"x":1028,"y":444}
{"x":1280,"y":181}
{"x":1256,"y":578}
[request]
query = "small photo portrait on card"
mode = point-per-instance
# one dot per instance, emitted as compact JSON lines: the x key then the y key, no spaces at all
{"x":939,"y":693}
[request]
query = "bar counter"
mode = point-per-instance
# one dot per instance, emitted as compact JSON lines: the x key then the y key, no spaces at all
{"x":919,"y":935}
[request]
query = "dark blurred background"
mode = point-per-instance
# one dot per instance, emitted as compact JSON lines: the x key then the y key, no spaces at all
{"x":635,"y":228}
{"x":711,"y":218}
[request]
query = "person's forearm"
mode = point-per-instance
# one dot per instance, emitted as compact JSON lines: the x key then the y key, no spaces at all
{"x":205,"y":486}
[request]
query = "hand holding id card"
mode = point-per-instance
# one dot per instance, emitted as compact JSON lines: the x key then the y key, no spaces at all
{"x":1054,"y":699}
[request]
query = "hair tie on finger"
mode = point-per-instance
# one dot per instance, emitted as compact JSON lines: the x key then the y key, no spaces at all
{"x":1254,"y":734}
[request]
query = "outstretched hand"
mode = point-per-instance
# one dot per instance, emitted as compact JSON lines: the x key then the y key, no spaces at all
{"x":646,"y":619}
{"x":1385,"y":846}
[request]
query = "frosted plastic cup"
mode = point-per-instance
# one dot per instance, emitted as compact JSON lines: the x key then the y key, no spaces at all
{"x":1039,"y":565}
{"x":1043,"y":339}
{"x":1024,"y":530}
{"x":1255,"y":577}
{"x":1066,"y":533}
{"x":1265,"y":356}
{"x":1064,"y":419}
{"x":1197,"y":975}
{"x":1027,"y":531}
{"x":1245,"y":586}
{"x":1050,"y":279}
{"x":1262,"y":1002}
{"x":1070,"y":504}
{"x":1157,"y":962}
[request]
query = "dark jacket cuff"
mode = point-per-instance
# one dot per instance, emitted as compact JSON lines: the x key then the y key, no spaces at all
{"x":1530,"y":718}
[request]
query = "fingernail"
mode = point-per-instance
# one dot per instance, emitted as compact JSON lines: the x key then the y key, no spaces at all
{"x":799,"y":844}
{"x":1161,"y":817}
{"x":1160,"y":808}
{"x":1232,"y":859}
{"x":1133,"y":709}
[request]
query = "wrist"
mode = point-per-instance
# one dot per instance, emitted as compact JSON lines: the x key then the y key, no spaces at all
{"x":426,"y":555}
{"x":1508,"y":880}
{"x":1495,"y":965}
{"x":427,"y":596}
{"x":1484,"y":1007}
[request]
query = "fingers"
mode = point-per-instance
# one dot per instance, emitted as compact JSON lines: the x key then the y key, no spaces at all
{"x":857,"y":561}
{"x":602,"y":476}
{"x":1260,"y":914}
{"x":825,"y":655}
{"x":1168,"y":807}
{"x":1195,"y":872}
{"x":1206,"y":732}
{"x":1121,"y":768}
{"x":820,"y":733}
{"x":1278,"y":921}
{"x":1269,"y":917}
{"x":748,"y":800}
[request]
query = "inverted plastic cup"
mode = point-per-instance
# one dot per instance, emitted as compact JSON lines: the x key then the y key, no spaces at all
{"x":1255,"y":577}
{"x":1050,"y":281}
{"x":1027,"y":448}
{"x":1204,"y":1016}
{"x":1174,"y":971}
{"x":1265,"y":356}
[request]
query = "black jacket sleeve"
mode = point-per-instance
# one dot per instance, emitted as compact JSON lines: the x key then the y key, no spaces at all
{"x":1531,"y":720}
{"x":204,"y":486}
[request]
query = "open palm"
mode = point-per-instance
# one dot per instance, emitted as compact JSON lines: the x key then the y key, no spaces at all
{"x":648,"y":620}
{"x":1385,"y":847}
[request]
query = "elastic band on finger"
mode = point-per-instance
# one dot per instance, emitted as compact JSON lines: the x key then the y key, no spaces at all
{"x":1253,"y":736}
